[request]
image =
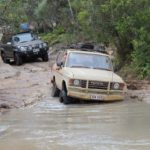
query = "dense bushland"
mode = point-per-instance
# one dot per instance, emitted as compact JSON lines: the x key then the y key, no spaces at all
{"x":123,"y":23}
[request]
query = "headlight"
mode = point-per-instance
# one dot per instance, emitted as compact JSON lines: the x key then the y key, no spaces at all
{"x":22,"y":48}
{"x":41,"y":45}
{"x":44,"y":44}
{"x":117,"y":86}
{"x":74,"y":82}
{"x":30,"y":48}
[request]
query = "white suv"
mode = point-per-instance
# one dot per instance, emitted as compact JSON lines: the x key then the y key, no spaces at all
{"x":86,"y":76}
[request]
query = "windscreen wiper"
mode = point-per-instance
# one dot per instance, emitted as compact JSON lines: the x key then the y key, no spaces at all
{"x":23,"y":41}
{"x":102,"y":68}
{"x":79,"y":66}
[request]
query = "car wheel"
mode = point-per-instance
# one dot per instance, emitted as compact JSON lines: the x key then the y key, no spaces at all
{"x":55,"y":91}
{"x":45,"y":57}
{"x":63,"y":98}
{"x":18,"y":59}
{"x":4,"y":58}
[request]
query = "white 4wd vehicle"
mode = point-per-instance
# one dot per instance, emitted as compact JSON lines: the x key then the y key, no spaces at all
{"x":87,"y":76}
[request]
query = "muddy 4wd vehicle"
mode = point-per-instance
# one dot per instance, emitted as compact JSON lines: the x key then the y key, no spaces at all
{"x":86,"y":76}
{"x":23,"y":45}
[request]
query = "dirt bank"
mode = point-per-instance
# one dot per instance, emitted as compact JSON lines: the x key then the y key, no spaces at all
{"x":138,"y":90}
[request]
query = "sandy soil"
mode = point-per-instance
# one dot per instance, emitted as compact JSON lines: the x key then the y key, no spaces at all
{"x":24,"y":85}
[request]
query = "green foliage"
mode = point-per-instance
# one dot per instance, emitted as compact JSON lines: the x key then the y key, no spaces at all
{"x":58,"y":36}
{"x":127,"y":22}
{"x":141,"y":55}
{"x":141,"y":43}
{"x":9,"y":13}
{"x":123,"y":23}
{"x":82,"y":16}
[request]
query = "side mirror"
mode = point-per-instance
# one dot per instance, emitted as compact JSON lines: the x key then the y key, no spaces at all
{"x":8,"y":43}
{"x":59,"y":64}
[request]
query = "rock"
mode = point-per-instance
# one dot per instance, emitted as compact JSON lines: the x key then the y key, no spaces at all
{"x":134,"y":96}
{"x":4,"y":106}
{"x":131,"y":87}
{"x":34,"y":98}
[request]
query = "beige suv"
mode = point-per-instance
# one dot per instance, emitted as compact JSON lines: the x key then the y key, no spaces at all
{"x":87,"y":76}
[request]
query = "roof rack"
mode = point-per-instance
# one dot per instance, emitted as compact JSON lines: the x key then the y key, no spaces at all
{"x":22,"y":32}
{"x":82,"y":46}
{"x":89,"y":47}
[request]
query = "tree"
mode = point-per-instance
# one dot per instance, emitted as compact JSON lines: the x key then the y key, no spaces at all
{"x":124,"y":23}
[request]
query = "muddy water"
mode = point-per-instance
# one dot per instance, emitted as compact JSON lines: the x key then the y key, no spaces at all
{"x":49,"y":125}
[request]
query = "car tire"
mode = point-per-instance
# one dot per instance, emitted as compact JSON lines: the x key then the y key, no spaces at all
{"x":4,"y":58}
{"x":55,"y":91}
{"x":18,"y":59}
{"x":45,"y":57}
{"x":63,"y":98}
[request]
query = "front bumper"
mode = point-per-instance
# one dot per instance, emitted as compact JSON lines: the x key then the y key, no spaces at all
{"x":31,"y":53}
{"x":94,"y":94}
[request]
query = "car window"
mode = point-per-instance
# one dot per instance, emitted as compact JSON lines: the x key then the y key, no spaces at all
{"x":93,"y":61}
{"x":16,"y":39}
{"x":26,"y":37}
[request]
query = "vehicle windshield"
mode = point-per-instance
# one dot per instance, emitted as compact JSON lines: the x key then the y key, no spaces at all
{"x":93,"y":61}
{"x":25,"y":37}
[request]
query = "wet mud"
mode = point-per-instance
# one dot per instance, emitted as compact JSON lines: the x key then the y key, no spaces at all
{"x":50,"y":125}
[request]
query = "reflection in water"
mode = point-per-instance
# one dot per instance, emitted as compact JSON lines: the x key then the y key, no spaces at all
{"x":52,"y":126}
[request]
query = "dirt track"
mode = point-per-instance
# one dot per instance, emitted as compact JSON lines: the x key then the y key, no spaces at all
{"x":24,"y":85}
